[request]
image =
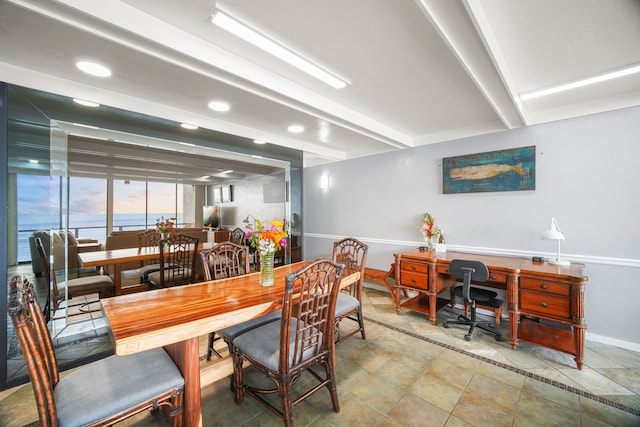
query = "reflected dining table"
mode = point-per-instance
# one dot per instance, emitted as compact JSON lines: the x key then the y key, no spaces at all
{"x":117,"y":257}
{"x":175,"y":318}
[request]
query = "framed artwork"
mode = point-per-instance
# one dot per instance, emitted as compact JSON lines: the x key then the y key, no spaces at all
{"x":227,"y":193}
{"x":217,"y":195}
{"x":504,"y":170}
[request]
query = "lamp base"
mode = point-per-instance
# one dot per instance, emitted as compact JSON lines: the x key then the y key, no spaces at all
{"x":559,"y":262}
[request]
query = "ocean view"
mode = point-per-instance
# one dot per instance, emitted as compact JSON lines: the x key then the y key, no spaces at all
{"x":83,"y":226}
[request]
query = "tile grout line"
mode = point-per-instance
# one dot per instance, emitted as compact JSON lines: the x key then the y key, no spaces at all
{"x":520,"y":371}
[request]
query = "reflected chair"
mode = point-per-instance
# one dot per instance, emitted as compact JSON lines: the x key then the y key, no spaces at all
{"x":353,"y":254}
{"x":477,"y":272}
{"x":148,"y":239}
{"x":302,"y":339}
{"x":178,"y":256}
{"x":101,"y":284}
{"x":237,"y":236}
{"x":98,"y":394}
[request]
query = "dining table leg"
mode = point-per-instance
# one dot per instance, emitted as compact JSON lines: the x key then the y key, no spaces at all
{"x":186,"y":355}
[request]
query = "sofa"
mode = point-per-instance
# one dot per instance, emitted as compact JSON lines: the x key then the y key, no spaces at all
{"x":74,"y":247}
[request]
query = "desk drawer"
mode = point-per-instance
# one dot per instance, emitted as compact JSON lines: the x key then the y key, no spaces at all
{"x":415,"y":267}
{"x":493,"y":276}
{"x":545,"y":286}
{"x":413,"y":280}
{"x":545,"y":304}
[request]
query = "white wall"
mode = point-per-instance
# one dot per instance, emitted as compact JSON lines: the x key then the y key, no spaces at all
{"x":587,"y":176}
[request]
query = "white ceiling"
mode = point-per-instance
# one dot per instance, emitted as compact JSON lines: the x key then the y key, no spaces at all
{"x":420,"y":71}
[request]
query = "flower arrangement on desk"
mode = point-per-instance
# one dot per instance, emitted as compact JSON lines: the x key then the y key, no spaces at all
{"x":165,"y":226}
{"x":429,"y":230}
{"x":267,"y":240}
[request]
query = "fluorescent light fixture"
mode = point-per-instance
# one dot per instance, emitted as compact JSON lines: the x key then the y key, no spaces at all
{"x":93,"y":68}
{"x":296,"y":128}
{"x":82,"y":125}
{"x":188,"y":126}
{"x":276,"y":49}
{"x":581,"y":83}
{"x":219,"y":106}
{"x":86,"y":103}
{"x":259,"y":141}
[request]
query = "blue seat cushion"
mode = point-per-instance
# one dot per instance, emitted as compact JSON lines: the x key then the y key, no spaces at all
{"x":112,"y":385}
{"x":230,"y":333}
{"x":346,"y":304}
{"x":262,"y":344}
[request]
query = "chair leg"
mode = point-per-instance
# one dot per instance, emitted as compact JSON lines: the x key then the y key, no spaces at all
{"x":361,"y":323}
{"x":285,"y":390}
{"x":238,"y":377}
{"x":210,"y":347}
{"x":333,"y":390}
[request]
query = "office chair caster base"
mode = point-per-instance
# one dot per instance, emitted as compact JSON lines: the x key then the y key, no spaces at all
{"x":467,"y":337}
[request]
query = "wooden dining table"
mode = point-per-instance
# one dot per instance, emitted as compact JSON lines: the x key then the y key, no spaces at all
{"x":175,"y":318}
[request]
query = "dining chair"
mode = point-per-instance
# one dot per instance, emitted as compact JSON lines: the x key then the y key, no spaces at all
{"x":98,"y":394}
{"x":302,"y":339}
{"x":353,"y":254}
{"x":101,"y":284}
{"x":147,"y":239}
{"x":178,"y":256}
{"x":477,"y":272}
{"x":237,"y":236}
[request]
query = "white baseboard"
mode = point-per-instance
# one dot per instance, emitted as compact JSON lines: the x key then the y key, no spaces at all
{"x":613,"y":342}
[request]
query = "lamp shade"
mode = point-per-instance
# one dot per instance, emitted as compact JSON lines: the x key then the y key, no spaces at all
{"x":553,"y":233}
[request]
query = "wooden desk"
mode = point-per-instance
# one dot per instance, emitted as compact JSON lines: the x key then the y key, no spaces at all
{"x":175,"y":318}
{"x":545,"y":302}
{"x":117,"y":257}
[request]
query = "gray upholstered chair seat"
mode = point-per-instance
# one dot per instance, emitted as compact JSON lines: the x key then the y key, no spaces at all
{"x":145,"y":270}
{"x":346,"y":304}
{"x":116,"y":383}
{"x":262,"y":344}
{"x":82,"y":285}
{"x":230,"y":333}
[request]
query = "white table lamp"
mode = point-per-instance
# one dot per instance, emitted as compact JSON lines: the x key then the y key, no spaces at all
{"x":554,"y":233}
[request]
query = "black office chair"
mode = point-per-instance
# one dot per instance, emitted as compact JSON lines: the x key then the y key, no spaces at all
{"x":475,"y":271}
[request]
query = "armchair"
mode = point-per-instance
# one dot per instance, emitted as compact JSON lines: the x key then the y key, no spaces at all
{"x":74,"y":247}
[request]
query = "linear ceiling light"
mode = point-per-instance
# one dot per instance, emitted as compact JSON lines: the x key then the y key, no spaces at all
{"x":276,"y":49}
{"x":581,"y":83}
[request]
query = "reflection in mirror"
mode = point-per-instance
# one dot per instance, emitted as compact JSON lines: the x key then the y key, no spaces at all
{"x":78,"y":186}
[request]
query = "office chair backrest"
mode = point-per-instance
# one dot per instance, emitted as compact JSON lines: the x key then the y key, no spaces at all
{"x":467,"y":271}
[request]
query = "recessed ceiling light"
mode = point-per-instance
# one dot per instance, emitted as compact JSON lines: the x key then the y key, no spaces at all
{"x":227,"y":171}
{"x":86,"y":103}
{"x":82,"y":125}
{"x":296,"y":128}
{"x":93,"y":68}
{"x":33,"y":161}
{"x":219,"y":106}
{"x":259,"y":141}
{"x":277,"y":49}
{"x":189,"y":126}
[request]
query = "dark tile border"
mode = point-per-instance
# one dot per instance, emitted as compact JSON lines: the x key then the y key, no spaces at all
{"x":527,"y":374}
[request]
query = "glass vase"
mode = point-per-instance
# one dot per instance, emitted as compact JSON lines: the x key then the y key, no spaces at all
{"x":266,"y":269}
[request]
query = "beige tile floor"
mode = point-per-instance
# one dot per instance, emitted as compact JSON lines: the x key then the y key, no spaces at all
{"x":410,"y":373}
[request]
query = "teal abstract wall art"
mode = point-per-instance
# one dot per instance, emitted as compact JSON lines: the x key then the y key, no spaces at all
{"x":513,"y":169}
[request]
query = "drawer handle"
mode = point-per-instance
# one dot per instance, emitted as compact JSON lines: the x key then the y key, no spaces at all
{"x":413,"y":280}
{"x":492,"y":277}
{"x":543,"y":304}
{"x":413,"y":267}
{"x":543,"y":286}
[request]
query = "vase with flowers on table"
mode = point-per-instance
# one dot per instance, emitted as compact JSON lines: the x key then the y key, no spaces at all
{"x":267,"y":240}
{"x":165,"y":227}
{"x":431,"y":233}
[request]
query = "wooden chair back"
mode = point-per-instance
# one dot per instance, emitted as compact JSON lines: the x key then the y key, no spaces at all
{"x":308,"y":312}
{"x":32,"y":332}
{"x":178,"y":255}
{"x":53,"y":297}
{"x":352,"y":253}
{"x":148,"y":238}
{"x":237,"y":236}
{"x":225,"y":259}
